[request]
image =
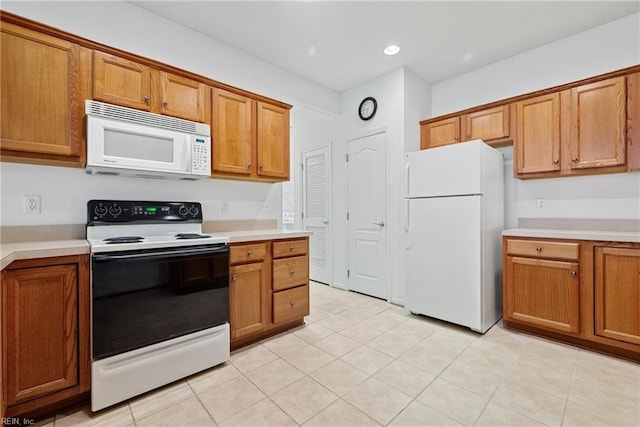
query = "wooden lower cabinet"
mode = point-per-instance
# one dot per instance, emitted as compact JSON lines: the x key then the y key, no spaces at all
{"x":617,"y":293}
{"x":45,"y":333}
{"x":268,"y":288}
{"x":586,"y":293}
{"x":543,"y":293}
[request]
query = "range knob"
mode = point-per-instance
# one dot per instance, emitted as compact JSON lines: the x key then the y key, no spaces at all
{"x":183,"y":210}
{"x":115,"y":211}
{"x":194,"y":210}
{"x":100,"y":211}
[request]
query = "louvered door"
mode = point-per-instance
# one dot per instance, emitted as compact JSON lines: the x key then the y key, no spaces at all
{"x":315,"y":206}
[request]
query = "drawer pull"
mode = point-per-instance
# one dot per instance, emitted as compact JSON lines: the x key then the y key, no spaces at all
{"x":291,"y":248}
{"x":538,"y":249}
{"x":292,"y":272}
{"x":234,"y":277}
{"x":292,"y":303}
{"x":249,"y":253}
{"x":573,"y":274}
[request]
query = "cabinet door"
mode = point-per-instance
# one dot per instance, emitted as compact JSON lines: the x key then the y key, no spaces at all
{"x":233,"y":118}
{"x":488,"y":125}
{"x":443,"y":132}
{"x":272,"y":141}
{"x":183,"y":98}
{"x":44,"y":83}
{"x":40,"y":317}
{"x":597,"y":124}
{"x":617,"y":293}
{"x":248,"y":299}
{"x":120,"y":81}
{"x":542,"y":293}
{"x":537,"y":145}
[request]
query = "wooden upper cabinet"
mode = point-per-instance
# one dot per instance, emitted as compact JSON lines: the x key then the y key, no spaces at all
{"x":442,"y":132}
{"x":121,"y":81}
{"x":44,"y":82}
{"x":617,"y":293}
{"x":127,"y":83}
{"x":233,"y":133}
{"x":272,"y":141}
{"x":597,"y":127}
{"x":491,"y":125}
{"x":488,"y":125}
{"x":537,"y":144}
{"x":183,"y":98}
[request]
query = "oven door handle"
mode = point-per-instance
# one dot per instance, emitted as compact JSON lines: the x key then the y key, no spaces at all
{"x":170,"y":253}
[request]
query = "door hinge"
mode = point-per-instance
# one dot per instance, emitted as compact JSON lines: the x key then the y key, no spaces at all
{"x":347,"y":157}
{"x":302,"y":215}
{"x":347,"y":215}
{"x":301,"y":166}
{"x":348,"y":272}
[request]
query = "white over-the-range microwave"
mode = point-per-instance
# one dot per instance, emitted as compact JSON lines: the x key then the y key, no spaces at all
{"x":124,"y":141}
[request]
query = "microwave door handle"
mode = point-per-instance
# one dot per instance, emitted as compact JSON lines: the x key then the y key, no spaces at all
{"x":188,"y":153}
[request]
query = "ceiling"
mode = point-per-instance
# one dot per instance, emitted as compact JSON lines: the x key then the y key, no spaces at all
{"x":339,"y":44}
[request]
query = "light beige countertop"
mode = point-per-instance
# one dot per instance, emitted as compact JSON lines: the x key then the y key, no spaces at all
{"x":10,"y":252}
{"x":253,"y":235}
{"x":597,"y":235}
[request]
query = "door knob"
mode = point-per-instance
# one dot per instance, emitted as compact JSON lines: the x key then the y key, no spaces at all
{"x":325,"y":221}
{"x":381,"y":223}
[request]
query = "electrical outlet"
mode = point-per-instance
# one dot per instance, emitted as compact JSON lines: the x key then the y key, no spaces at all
{"x":265,"y":207}
{"x":541,"y":204}
{"x":32,"y":204}
{"x":224,"y":207}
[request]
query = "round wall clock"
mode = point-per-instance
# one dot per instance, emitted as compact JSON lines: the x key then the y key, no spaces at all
{"x":367,"y":108}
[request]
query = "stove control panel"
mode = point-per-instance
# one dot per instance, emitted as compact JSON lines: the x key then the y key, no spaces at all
{"x":119,"y":211}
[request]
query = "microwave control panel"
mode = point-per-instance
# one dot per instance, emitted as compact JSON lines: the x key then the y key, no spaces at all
{"x":119,"y":211}
{"x":200,"y":155}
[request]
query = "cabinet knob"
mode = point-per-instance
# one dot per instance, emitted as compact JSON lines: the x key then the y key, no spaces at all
{"x":292,"y":303}
{"x":249,"y":165}
{"x":555,"y":162}
{"x":574,"y":160}
{"x":234,"y":277}
{"x":260,"y":166}
{"x":456,"y":138}
{"x":538,"y":249}
{"x":573,"y":273}
{"x":147,"y":99}
{"x":165,"y":103}
{"x":468,"y":136}
{"x":249,"y":253}
{"x":291,"y":248}
{"x":292,"y":272}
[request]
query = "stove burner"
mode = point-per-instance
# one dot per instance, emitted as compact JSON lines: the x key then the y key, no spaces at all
{"x":124,"y":239}
{"x":185,"y":236}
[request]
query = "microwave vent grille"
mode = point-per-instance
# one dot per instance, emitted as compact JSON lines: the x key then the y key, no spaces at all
{"x":144,"y":118}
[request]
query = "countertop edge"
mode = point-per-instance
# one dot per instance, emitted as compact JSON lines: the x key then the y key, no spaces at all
{"x":10,"y":252}
{"x":595,"y":235}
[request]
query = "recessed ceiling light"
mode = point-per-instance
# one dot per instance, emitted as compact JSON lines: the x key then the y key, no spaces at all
{"x":392,"y":49}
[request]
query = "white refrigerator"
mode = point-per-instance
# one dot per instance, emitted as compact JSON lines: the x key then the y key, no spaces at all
{"x":453,"y":225}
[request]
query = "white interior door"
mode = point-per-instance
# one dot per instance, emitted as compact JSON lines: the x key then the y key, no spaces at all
{"x":316,"y":212}
{"x":367,"y":205}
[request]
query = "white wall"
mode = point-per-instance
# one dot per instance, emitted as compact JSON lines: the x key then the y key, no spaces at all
{"x":402,"y":99}
{"x":65,"y":191}
{"x":599,"y":50}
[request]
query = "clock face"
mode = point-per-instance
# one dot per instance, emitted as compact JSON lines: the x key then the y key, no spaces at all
{"x":368,"y":108}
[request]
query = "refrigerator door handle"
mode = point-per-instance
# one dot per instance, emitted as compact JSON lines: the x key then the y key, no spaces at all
{"x":407,"y":168}
{"x":407,"y":226}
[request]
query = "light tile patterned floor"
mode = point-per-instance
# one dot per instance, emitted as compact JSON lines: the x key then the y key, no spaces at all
{"x":359,"y":361}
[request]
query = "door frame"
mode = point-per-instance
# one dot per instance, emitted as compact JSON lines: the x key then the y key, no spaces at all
{"x":382,"y":130}
{"x":329,"y":201}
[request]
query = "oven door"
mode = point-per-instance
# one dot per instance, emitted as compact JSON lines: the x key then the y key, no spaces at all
{"x":148,"y":296}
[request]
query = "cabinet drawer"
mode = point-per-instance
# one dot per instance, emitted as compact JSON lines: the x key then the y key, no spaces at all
{"x":290,"y":248}
{"x":291,"y":304}
{"x":543,"y":249}
{"x":288,"y":272}
{"x":247,"y":253}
